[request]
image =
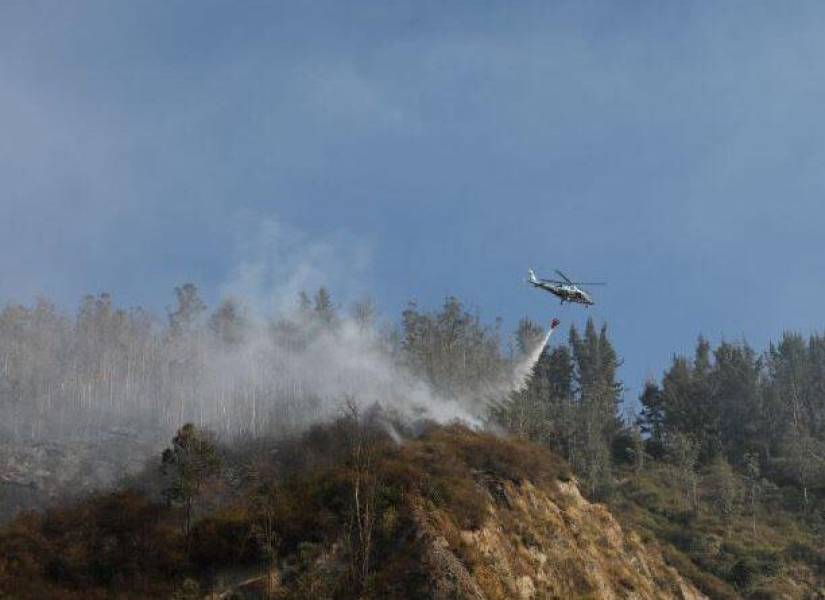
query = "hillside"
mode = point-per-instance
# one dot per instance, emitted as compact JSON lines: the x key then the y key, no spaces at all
{"x":345,"y":512}
{"x":39,"y":474}
{"x":727,"y":554}
{"x":542,"y":544}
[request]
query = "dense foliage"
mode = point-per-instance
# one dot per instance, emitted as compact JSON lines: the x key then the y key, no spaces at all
{"x":725,"y":461}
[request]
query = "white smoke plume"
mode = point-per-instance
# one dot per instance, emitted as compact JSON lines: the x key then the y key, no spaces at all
{"x":279,"y":367}
{"x":267,"y":383}
{"x":299,"y":384}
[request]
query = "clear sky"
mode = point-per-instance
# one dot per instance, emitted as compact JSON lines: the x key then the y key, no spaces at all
{"x":419,"y":149}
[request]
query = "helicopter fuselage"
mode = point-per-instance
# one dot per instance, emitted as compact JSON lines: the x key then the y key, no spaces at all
{"x":566,"y":292}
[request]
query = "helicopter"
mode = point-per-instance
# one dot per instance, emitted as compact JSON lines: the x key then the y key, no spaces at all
{"x":567,"y":290}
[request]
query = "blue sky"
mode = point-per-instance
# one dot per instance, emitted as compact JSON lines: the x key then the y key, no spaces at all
{"x":419,"y":149}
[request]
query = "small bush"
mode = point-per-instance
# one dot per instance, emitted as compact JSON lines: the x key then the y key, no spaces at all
{"x":805,"y":553}
{"x":221,"y":540}
{"x":743,"y":572}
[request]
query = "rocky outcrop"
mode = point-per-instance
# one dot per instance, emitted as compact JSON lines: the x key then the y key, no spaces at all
{"x":36,"y":475}
{"x":539,"y":543}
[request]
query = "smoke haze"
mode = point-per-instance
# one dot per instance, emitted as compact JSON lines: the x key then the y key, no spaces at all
{"x":259,"y":363}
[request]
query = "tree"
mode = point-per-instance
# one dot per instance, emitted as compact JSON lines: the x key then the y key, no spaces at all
{"x":637,"y":448}
{"x":264,"y":504}
{"x":651,"y":419}
{"x":544,"y":409}
{"x":229,"y":322}
{"x":612,"y":388}
{"x":363,"y":439}
{"x":188,"y":311}
{"x":324,"y":308}
{"x":304,"y":303}
{"x":724,"y":490}
{"x":557,"y":371}
{"x":683,"y":453}
{"x":755,"y":484}
{"x":803,"y":456}
{"x":735,"y":380}
{"x":704,"y":411}
{"x":529,"y":334}
{"x":452,"y":350}
{"x":599,"y":395}
{"x":364,"y":313}
{"x":188,"y":463}
{"x":690,"y":406}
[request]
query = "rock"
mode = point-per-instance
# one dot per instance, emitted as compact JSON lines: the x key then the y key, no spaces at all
{"x":547,"y":543}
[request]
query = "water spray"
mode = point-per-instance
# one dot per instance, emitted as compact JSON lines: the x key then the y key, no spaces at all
{"x":525,"y":368}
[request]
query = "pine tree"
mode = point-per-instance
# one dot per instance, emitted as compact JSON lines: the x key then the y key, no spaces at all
{"x":324,"y":308}
{"x":735,"y":380}
{"x":652,"y":419}
{"x":188,"y":463}
{"x":599,"y":394}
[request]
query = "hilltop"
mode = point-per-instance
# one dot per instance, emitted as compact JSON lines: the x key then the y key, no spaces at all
{"x":344,"y":511}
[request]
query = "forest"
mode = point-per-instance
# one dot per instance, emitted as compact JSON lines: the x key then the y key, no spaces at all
{"x":721,"y":460}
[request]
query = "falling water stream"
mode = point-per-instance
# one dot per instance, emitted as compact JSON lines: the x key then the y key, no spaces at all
{"x":523,"y":370}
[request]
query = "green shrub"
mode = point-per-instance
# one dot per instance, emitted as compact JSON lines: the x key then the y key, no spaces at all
{"x":743,"y":572}
{"x":805,"y":553}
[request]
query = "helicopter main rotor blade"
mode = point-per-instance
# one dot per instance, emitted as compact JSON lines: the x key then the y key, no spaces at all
{"x":563,"y":276}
